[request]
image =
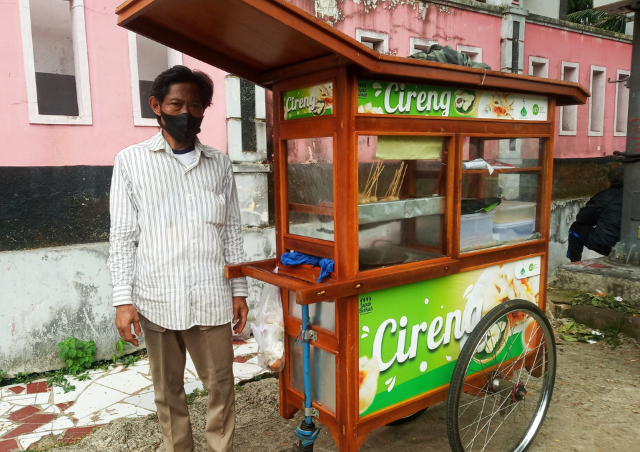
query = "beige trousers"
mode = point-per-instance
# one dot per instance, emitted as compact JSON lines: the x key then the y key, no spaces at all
{"x":211,"y":350}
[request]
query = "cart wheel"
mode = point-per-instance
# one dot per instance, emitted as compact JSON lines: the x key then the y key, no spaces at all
{"x":404,"y":420}
{"x":503,"y":380}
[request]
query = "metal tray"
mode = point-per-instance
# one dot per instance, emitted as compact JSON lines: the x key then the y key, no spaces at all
{"x":376,"y":212}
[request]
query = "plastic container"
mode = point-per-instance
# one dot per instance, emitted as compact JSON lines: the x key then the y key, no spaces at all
{"x":513,"y":211}
{"x":514,"y":230}
{"x":476,"y":229}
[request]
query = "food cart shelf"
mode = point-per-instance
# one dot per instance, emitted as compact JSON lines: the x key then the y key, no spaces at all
{"x":399,"y":210}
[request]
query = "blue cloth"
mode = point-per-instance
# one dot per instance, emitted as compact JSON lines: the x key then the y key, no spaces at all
{"x":296,"y":258}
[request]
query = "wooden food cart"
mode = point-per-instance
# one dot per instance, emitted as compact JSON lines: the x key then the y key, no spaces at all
{"x":391,"y":167}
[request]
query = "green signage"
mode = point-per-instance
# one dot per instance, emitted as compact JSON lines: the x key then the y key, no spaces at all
{"x":308,"y":102}
{"x":411,"y":336}
{"x":395,"y":98}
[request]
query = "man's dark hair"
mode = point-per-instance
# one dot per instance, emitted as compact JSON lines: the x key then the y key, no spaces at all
{"x":182,"y":74}
{"x":616,"y":177}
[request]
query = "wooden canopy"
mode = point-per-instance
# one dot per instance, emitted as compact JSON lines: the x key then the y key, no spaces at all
{"x":266,"y":41}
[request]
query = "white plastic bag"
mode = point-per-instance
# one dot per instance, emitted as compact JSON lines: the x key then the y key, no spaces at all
{"x":268,"y":329}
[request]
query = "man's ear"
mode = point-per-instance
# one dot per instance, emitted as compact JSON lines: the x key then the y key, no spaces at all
{"x":155,"y":105}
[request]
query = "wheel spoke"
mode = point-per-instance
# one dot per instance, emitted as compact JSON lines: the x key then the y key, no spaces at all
{"x":501,"y":406}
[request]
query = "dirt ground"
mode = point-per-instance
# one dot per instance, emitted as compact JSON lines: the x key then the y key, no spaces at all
{"x":595,"y":407}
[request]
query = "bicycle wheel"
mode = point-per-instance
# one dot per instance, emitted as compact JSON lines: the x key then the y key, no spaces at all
{"x":503,"y":381}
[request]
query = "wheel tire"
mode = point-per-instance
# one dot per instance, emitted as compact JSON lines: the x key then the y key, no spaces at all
{"x":404,"y":420}
{"x":508,"y":408}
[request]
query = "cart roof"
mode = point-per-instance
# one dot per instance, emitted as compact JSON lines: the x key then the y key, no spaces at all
{"x":266,"y":41}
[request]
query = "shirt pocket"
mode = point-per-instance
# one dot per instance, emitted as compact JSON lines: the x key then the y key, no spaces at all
{"x":214,"y":207}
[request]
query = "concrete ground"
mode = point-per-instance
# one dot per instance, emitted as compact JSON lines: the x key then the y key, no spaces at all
{"x":595,"y":407}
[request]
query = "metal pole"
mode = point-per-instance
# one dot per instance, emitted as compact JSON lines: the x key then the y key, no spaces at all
{"x":630,"y":231}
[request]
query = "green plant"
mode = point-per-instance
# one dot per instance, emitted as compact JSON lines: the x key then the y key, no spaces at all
{"x":21,"y":377}
{"x":576,"y":332}
{"x":129,"y":360}
{"x":59,"y":379}
{"x":196,"y":393}
{"x":120,"y":345}
{"x":617,"y":303}
{"x":78,"y":355}
{"x":612,"y":335}
{"x":3,"y":376}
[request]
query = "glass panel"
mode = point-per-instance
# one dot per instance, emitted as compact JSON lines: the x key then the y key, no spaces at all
{"x":322,"y":314}
{"x":512,"y":221}
{"x":502,"y":153}
{"x":310,"y":186}
{"x":323,"y":374}
{"x":401,"y":201}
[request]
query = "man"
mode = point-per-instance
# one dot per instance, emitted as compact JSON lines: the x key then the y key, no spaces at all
{"x":597,"y":224}
{"x":175,"y":223}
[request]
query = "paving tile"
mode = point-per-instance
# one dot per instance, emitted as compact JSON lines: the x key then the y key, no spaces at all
{"x":39,"y":419}
{"x":246,"y":349}
{"x":17,"y":389}
{"x":129,"y":382}
{"x":74,"y":434}
{"x":190,"y":367}
{"x":191,"y":386}
{"x":42,"y":398}
{"x":95,"y":398}
{"x":240,"y":359}
{"x":5,"y":407}
{"x":27,"y":440}
{"x":8,"y":445}
{"x":59,"y":395}
{"x":239,"y":342}
{"x":245,"y":371}
{"x":23,"y":413}
{"x":21,"y":430}
{"x":116,"y":411}
{"x":36,"y":387}
{"x":5,"y":426}
{"x":142,"y":367}
{"x":64,"y":406}
{"x":51,"y":409}
{"x":60,"y":423}
{"x":145,"y":399}
{"x":22,"y":400}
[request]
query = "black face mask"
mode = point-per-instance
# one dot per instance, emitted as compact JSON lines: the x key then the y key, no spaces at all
{"x":182,"y":127}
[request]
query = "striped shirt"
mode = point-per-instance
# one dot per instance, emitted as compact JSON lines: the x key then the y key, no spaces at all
{"x":173,"y":229}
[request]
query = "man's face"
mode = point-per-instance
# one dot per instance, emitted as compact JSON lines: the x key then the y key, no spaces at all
{"x":181,"y":98}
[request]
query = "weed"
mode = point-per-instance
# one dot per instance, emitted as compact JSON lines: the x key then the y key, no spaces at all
{"x":612,"y":335}
{"x":617,"y":303}
{"x":59,"y":379}
{"x":152,"y":416}
{"x":129,"y":360}
{"x":78,"y":355}
{"x":21,"y":377}
{"x":83,"y":377}
{"x":196,"y":393}
{"x":3,"y":376}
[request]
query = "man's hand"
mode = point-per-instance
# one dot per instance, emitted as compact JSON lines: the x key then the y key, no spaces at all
{"x":240,"y":311}
{"x":126,"y":315}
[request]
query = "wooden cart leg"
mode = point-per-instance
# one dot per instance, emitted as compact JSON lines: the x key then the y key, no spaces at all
{"x":286,"y":409}
{"x":348,"y":443}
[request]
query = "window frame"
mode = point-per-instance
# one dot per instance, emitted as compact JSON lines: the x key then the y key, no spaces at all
{"x":621,"y":85}
{"x":539,"y":61}
{"x":173,"y":58}
{"x":374,"y":37}
{"x":474,"y":53}
{"x":576,"y":67}
{"x":80,"y":61}
{"x":601,"y":109}
{"x":422,"y":42}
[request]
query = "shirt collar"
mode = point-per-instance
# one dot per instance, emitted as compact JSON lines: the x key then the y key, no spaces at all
{"x":158,"y":143}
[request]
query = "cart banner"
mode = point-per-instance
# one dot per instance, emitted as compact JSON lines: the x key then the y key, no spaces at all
{"x":308,"y":102}
{"x":411,"y":336}
{"x":395,"y":98}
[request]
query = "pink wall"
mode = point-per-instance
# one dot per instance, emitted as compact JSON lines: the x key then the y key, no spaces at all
{"x":111,"y":99}
{"x":448,"y":26}
{"x":560,"y":45}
